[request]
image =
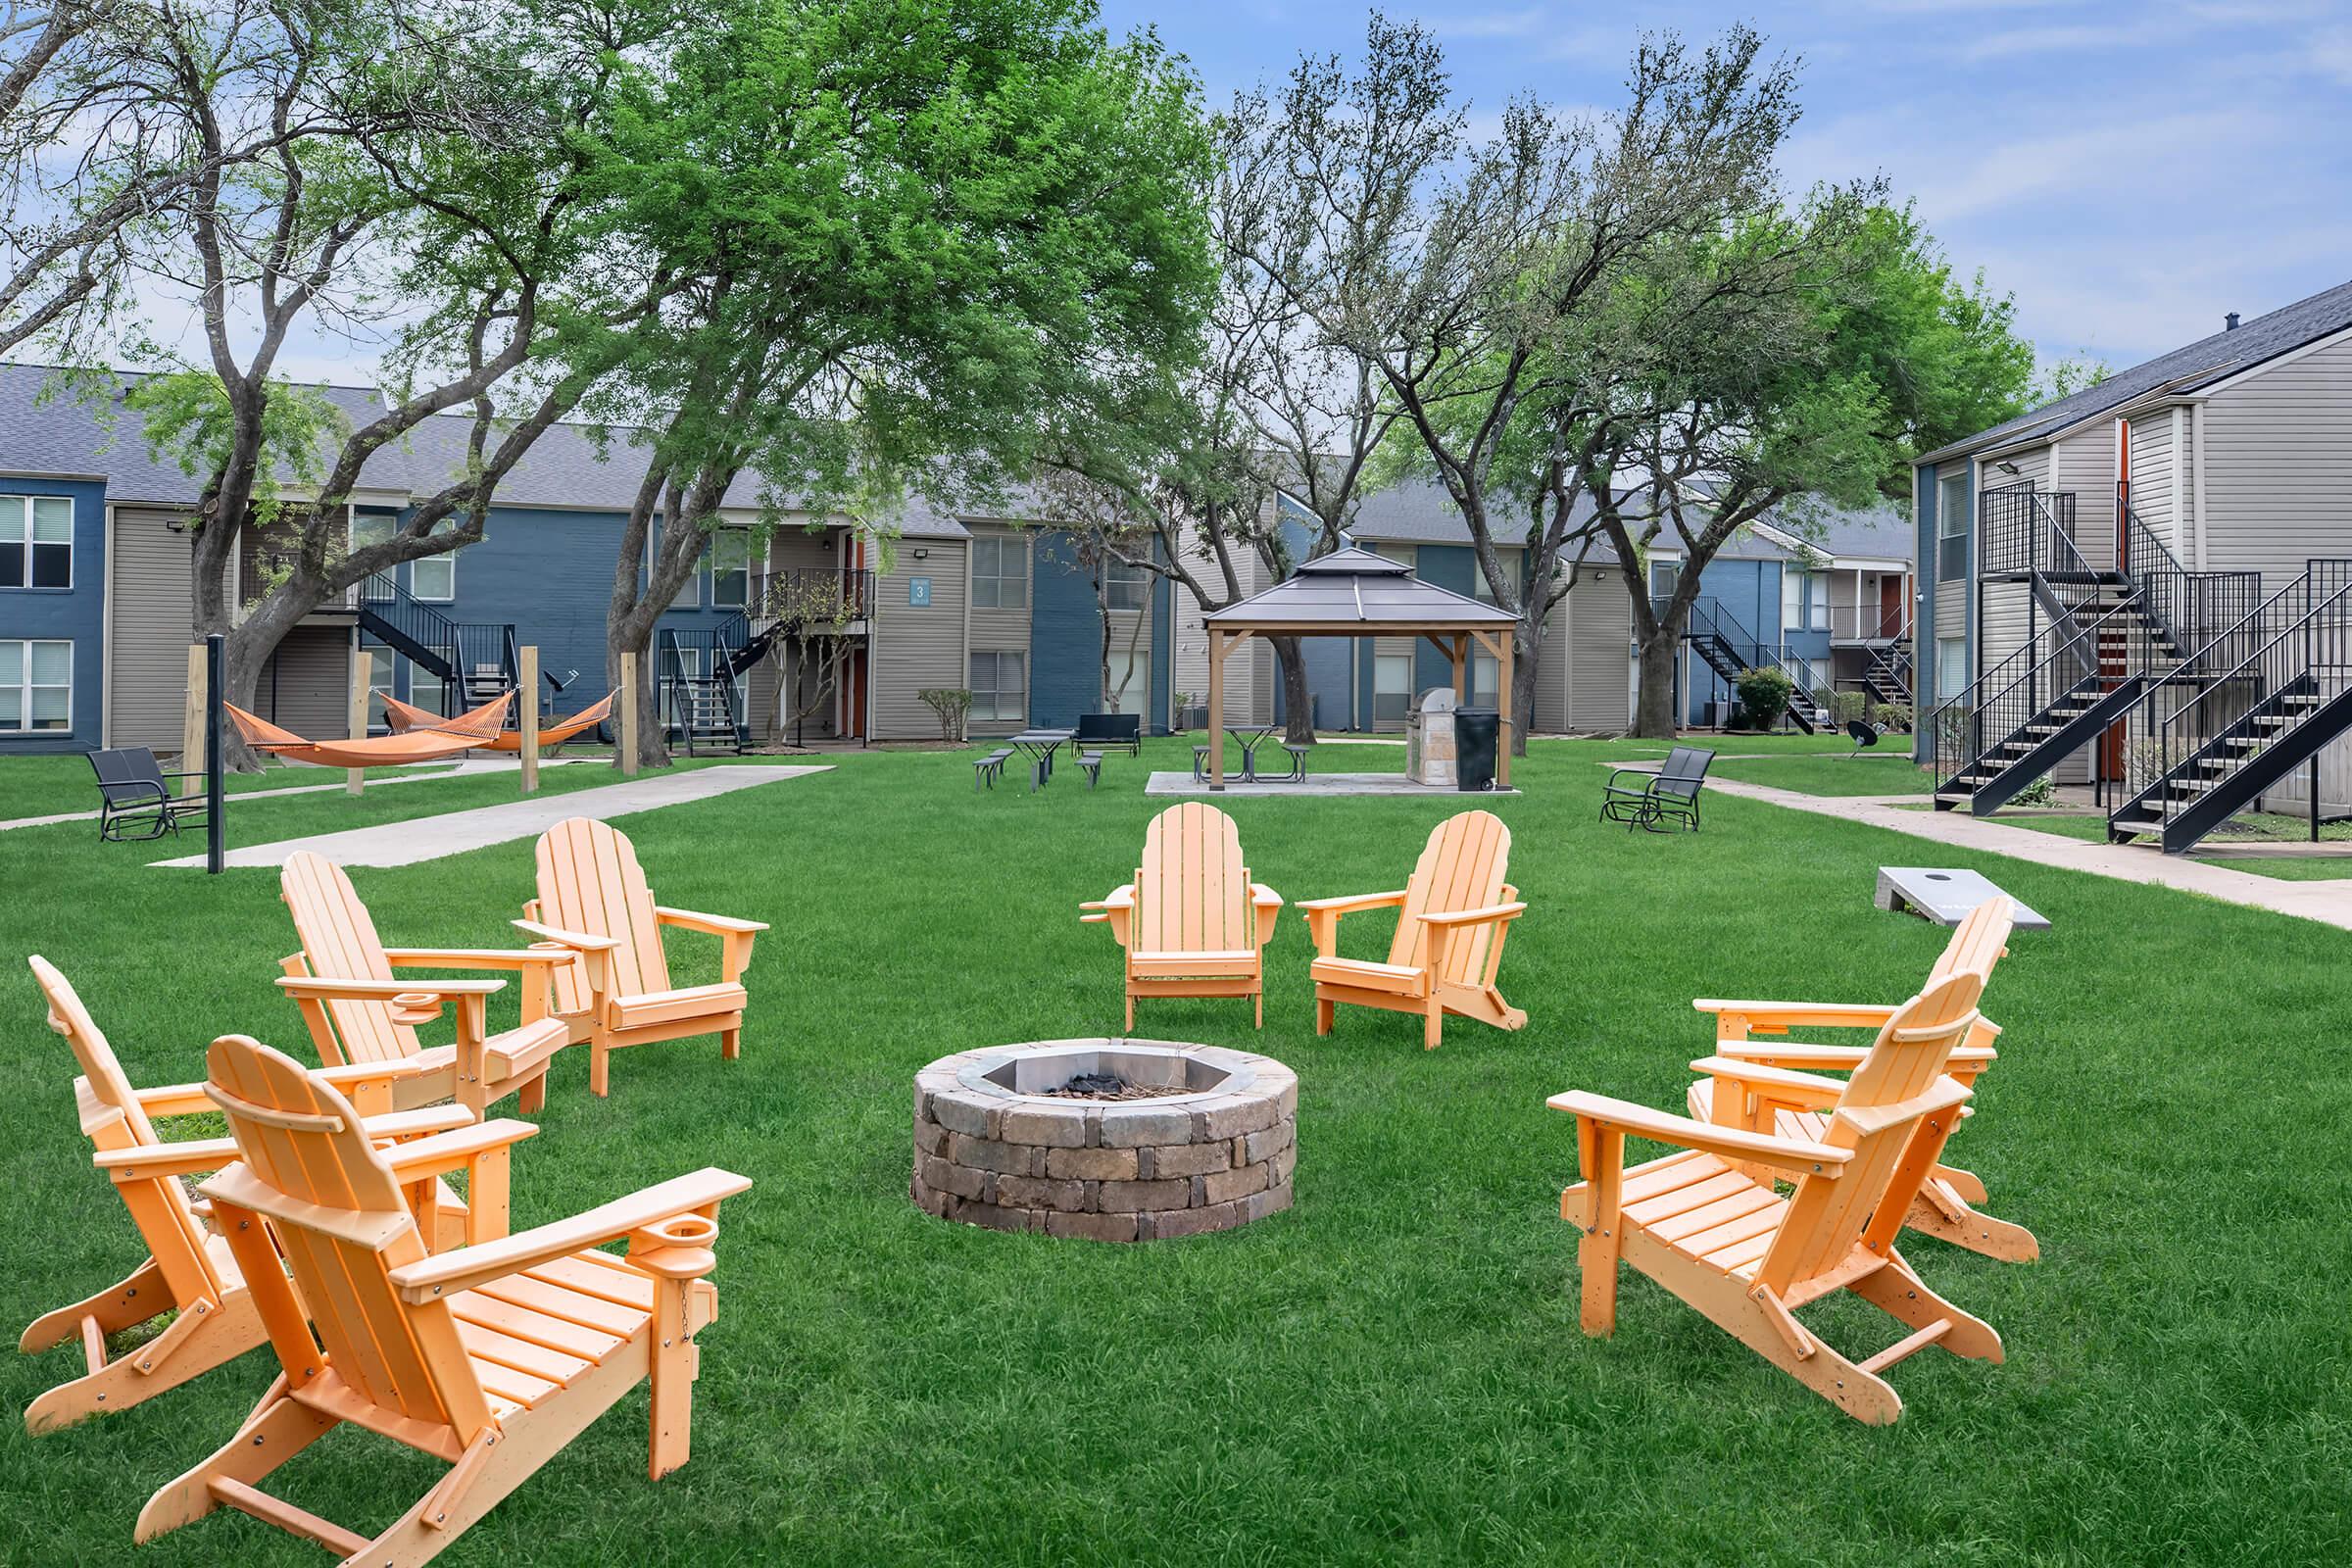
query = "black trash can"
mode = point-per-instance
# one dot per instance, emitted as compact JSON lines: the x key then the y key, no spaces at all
{"x":1474,"y":733}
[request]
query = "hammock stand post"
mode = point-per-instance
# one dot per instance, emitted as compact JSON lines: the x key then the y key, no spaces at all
{"x":628,"y":715}
{"x":528,"y":716}
{"x":216,"y":824}
{"x":362,"y":678}
{"x":193,"y":714}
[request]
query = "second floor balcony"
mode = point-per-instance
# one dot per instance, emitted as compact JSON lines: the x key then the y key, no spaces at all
{"x":811,"y":599}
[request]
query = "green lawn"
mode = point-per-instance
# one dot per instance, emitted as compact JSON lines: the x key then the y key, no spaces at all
{"x":1393,"y":1370}
{"x":1867,"y":774}
{"x":2284,"y":868}
{"x":44,"y":786}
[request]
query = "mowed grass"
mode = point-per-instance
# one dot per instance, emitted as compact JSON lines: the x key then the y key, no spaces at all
{"x":1390,"y":1372}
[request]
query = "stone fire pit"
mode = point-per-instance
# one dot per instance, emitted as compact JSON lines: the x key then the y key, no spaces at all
{"x":995,"y":1145}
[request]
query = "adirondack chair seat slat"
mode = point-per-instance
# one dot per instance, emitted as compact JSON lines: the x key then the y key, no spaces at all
{"x":526,"y":1325}
{"x":665,"y":1006}
{"x":1230,"y":961}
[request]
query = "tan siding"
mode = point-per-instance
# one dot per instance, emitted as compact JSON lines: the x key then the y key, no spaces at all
{"x":2003,"y":619}
{"x":2086,"y":465}
{"x":2278,"y":467}
{"x":915,"y":648}
{"x":1552,"y":667}
{"x":1599,"y":648}
{"x":309,"y":690}
{"x":2152,"y":457}
{"x":147,"y":658}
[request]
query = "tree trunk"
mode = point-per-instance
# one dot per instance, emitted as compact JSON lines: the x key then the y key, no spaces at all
{"x":1298,"y":702}
{"x":250,"y":646}
{"x":1524,"y":670}
{"x":1653,"y":708}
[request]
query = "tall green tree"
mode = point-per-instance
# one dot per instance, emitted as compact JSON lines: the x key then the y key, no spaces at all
{"x":912,"y":237}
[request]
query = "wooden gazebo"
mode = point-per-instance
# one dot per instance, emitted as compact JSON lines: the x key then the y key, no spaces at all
{"x":1354,"y":593}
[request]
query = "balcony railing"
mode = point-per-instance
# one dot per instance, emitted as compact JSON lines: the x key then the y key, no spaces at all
{"x":2022,"y":531}
{"x":1869,"y":624}
{"x":810,"y":596}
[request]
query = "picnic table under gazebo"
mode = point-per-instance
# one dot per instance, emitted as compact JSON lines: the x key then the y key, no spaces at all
{"x":1354,"y":593}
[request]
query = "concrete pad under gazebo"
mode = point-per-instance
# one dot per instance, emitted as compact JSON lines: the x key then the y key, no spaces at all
{"x":1354,"y":593}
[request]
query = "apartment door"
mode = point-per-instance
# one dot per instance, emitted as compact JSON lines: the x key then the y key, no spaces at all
{"x":1891,"y":603}
{"x":853,"y":697}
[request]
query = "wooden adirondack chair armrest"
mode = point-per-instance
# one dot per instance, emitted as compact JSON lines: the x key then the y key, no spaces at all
{"x":175,"y":1099}
{"x":580,"y":939}
{"x":1484,"y":915}
{"x":477,"y":957}
{"x":1268,"y":905}
{"x":1120,"y":898}
{"x":1350,"y":904}
{"x":1777,"y":1085}
{"x":1779,"y":1017}
{"x":327,"y":990}
{"x":192,"y":1157}
{"x":1832,"y":1058}
{"x":1793,"y":1155}
{"x":458,"y":1146}
{"x":717,"y":925}
{"x":364,"y":1074}
{"x":423,"y":1122}
{"x":446,"y":1274}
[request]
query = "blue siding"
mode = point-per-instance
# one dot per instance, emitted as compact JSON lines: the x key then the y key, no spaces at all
{"x":1749,"y":592}
{"x":77,"y":613}
{"x":1066,"y":637}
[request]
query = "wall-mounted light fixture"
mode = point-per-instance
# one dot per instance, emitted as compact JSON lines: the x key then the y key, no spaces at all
{"x":922,"y":555}
{"x":2006,"y":467}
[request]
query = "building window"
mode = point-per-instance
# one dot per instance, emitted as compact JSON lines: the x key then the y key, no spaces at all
{"x":1514,"y":570}
{"x":730,"y":569}
{"x":1664,"y":576}
{"x":1000,"y":573}
{"x":1951,"y":668}
{"x":1124,"y":586}
{"x":368,"y":530}
{"x":435,"y":578}
{"x":379,"y":687}
{"x":689,"y":664}
{"x":36,"y":541}
{"x":428,"y":690}
{"x":1486,"y":681}
{"x":1392,"y":688}
{"x":36,"y":687}
{"x":1130,"y":680}
{"x":1804,"y":599}
{"x":998,"y":695}
{"x":1951,"y":528}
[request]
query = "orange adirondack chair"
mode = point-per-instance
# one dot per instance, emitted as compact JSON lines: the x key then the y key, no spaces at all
{"x":190,"y":1269}
{"x":1709,"y":1224}
{"x":359,"y":1013}
{"x":1945,"y":1206}
{"x":492,"y":1357}
{"x":1192,"y":922}
{"x":1452,"y":918}
{"x":593,"y":901}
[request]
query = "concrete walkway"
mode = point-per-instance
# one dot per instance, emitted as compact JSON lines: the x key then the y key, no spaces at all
{"x":429,"y":838}
{"x":237,"y":796}
{"x":2329,"y":903}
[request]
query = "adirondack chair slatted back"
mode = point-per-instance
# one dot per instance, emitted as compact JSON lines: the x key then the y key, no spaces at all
{"x":1827,"y":1215}
{"x":158,"y":1206}
{"x":339,"y":1217}
{"x":590,"y":882}
{"x":1462,"y":867}
{"x":1191,"y":893}
{"x":339,"y":942}
{"x":1980,"y":937}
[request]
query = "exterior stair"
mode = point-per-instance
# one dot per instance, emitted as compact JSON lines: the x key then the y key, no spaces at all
{"x":1728,"y":648}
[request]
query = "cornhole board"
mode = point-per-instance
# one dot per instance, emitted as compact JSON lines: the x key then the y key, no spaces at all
{"x":1943,"y":895}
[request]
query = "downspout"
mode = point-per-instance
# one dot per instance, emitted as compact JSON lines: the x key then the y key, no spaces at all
{"x":2196,"y":441}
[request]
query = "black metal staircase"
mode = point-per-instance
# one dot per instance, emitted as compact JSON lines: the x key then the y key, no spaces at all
{"x":698,"y":674}
{"x":476,"y":660}
{"x":2111,"y":638}
{"x":1730,"y":650}
{"x":2213,"y":746}
{"x":1887,"y":677}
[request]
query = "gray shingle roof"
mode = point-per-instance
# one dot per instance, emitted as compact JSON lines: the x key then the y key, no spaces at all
{"x":1353,"y":589}
{"x":2196,"y":364}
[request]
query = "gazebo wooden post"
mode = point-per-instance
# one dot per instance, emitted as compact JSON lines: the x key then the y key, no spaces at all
{"x":1216,"y":709}
{"x":1502,"y":700}
{"x":1460,"y":650}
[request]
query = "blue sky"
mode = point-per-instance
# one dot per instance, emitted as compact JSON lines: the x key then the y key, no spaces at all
{"x":2128,"y":172}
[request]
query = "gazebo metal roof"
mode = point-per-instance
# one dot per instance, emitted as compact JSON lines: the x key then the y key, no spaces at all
{"x":1352,"y":593}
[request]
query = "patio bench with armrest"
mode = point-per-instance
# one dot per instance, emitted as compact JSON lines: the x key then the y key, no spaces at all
{"x":1671,"y":792}
{"x":1099,"y":732}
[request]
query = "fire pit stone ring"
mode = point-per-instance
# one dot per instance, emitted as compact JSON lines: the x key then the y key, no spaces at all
{"x":1192,"y":1139}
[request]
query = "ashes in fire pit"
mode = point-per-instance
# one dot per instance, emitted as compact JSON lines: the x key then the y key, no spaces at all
{"x":1111,"y":1086}
{"x":1105,"y":1140}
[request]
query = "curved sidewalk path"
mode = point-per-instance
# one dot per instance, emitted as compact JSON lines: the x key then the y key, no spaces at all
{"x":2327,"y":902}
{"x":429,"y":838}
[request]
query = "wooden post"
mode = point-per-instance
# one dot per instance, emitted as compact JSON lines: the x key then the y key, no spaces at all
{"x":1504,"y":644}
{"x":528,"y":697}
{"x":362,"y":678}
{"x":1458,"y":650}
{"x":628,"y":715}
{"x":192,"y":720}
{"x":1216,"y":709}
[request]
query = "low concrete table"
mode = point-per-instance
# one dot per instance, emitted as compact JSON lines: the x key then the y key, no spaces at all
{"x":1943,"y":895}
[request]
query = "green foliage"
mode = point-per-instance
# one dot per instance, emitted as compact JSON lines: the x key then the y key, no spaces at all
{"x":2043,"y":791}
{"x":1892,"y":716}
{"x":1845,"y":708}
{"x":953,"y":704}
{"x":187,"y":419}
{"x":2065,"y":376}
{"x":1763,"y":696}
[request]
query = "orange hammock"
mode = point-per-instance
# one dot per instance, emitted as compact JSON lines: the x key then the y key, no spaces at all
{"x":475,"y":728}
{"x":404,"y":716}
